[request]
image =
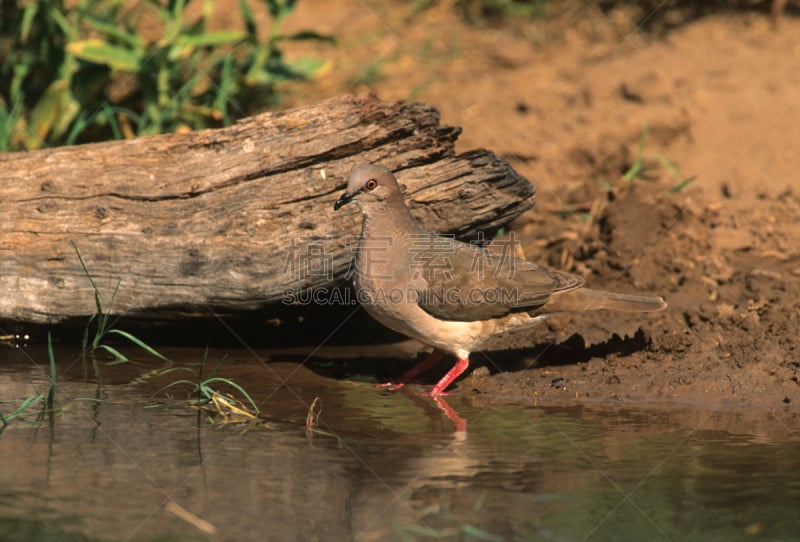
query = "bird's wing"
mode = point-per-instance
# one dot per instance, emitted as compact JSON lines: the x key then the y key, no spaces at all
{"x":457,"y":281}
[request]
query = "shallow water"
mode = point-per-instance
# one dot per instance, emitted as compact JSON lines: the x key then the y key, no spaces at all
{"x":116,"y":462}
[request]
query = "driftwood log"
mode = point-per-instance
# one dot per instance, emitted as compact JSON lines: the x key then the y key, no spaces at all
{"x":186,"y":224}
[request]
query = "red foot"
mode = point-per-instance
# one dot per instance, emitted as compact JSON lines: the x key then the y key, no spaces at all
{"x":421,"y":367}
{"x":460,"y":366}
{"x":393,"y":386}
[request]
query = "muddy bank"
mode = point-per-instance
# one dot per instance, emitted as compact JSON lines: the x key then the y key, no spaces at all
{"x":710,"y":220}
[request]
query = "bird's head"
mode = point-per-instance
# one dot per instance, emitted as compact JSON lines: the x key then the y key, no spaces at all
{"x":369,"y":183}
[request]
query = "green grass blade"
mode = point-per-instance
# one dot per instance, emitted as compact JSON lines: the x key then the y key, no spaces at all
{"x":633,"y":172}
{"x":114,"y":293}
{"x":249,"y":20}
{"x":107,"y":115}
{"x":83,"y":264}
{"x":203,"y":362}
{"x":138,"y":342}
{"x":99,"y":333}
{"x":54,"y":13}
{"x":669,"y":165}
{"x":115,"y":31}
{"x":114,"y":352}
{"x":51,"y":394}
{"x":173,"y":369}
{"x":99,"y":305}
{"x":216,"y":369}
{"x":85,"y":340}
{"x":23,"y":407}
{"x":204,"y":391}
{"x":101,"y":52}
{"x":638,"y":162}
{"x":25,"y":404}
{"x":672,"y":167}
{"x":78,"y":127}
{"x":102,"y":319}
{"x":683,"y":184}
{"x":189,"y":383}
{"x":27,"y":20}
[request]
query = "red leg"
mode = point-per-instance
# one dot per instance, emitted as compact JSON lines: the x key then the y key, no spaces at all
{"x":460,"y":366}
{"x":458,"y":421}
{"x":435,"y":357}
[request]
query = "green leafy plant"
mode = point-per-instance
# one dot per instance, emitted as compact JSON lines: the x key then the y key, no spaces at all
{"x":24,"y":405}
{"x":86,"y":73}
{"x":102,"y":324}
{"x":641,"y":164}
{"x":202,"y":387}
{"x":47,"y":402}
{"x":638,"y":165}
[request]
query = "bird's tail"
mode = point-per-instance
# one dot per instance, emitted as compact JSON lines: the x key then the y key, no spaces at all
{"x":585,"y":299}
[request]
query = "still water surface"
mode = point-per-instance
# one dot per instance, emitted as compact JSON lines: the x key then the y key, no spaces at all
{"x":115,"y":462}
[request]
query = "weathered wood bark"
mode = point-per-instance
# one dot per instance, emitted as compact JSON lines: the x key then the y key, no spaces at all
{"x":216,"y":219}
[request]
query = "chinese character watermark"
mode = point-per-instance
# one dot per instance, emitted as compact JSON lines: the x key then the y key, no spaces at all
{"x":430,"y":255}
{"x":308,"y":259}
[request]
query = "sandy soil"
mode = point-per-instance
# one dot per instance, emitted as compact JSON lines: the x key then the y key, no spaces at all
{"x":566,"y":101}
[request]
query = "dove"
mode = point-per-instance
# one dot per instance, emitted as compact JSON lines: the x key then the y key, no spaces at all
{"x":447,"y":294}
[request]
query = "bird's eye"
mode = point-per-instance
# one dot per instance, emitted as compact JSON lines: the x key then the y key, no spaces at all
{"x":371,"y":184}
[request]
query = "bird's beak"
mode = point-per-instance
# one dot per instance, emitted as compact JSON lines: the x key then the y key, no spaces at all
{"x":344,"y":199}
